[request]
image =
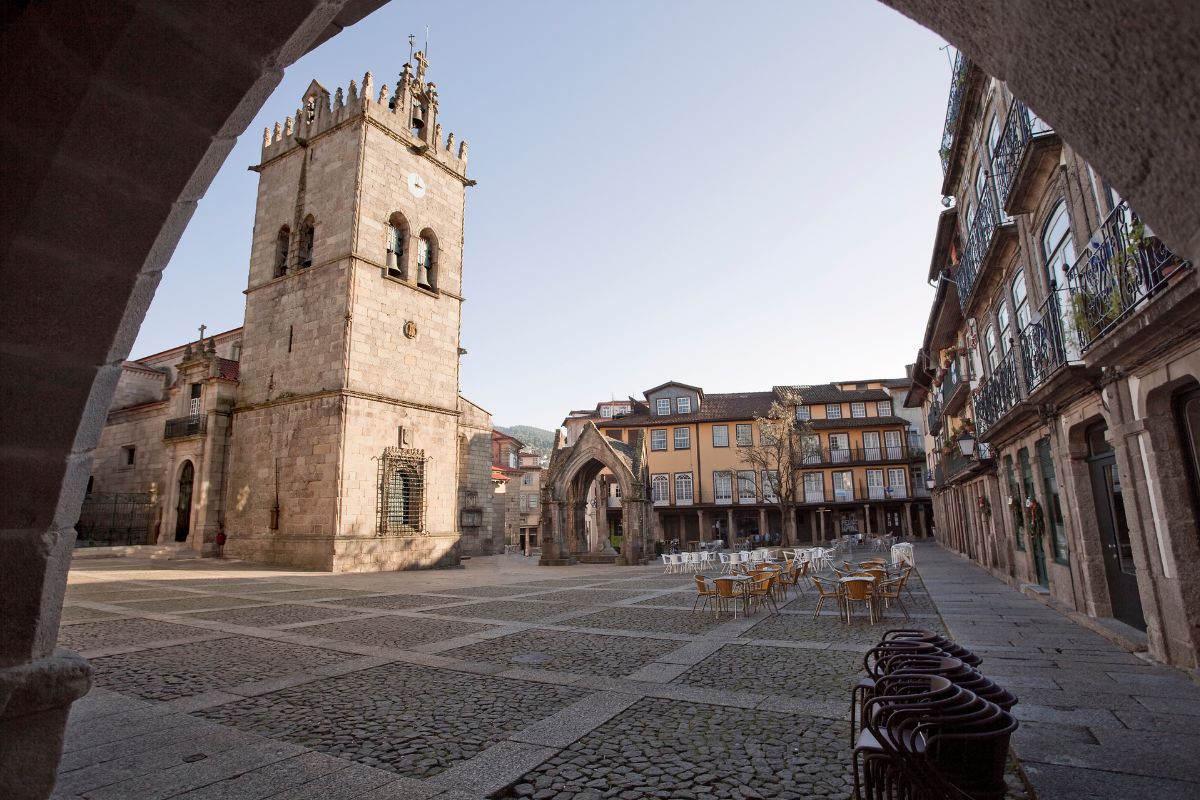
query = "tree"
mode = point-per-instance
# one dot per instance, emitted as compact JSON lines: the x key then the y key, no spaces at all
{"x":778,"y":456}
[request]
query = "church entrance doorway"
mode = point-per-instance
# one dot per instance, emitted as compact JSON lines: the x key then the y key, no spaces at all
{"x":183,"y":506}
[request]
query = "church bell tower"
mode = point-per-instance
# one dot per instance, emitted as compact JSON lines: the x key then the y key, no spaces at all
{"x":344,"y":448}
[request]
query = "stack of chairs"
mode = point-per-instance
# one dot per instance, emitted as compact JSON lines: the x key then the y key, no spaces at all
{"x":926,"y":723}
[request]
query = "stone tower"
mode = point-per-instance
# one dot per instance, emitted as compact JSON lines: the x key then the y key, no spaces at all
{"x":345,"y":432}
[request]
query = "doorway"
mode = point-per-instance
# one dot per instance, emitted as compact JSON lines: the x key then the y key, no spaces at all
{"x":183,"y":506}
{"x":1119,"y":570}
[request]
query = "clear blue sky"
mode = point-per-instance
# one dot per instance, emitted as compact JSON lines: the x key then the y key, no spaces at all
{"x":733,"y":195}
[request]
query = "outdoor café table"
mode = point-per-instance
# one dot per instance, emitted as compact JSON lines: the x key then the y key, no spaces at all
{"x":742,"y":591}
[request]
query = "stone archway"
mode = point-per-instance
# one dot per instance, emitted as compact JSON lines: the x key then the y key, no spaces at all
{"x":121,"y":116}
{"x":564,"y":495}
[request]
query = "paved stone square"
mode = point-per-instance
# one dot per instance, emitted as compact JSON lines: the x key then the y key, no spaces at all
{"x":225,"y":680}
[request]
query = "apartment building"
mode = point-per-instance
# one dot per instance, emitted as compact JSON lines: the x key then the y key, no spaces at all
{"x":516,"y":478}
{"x":1058,"y":376}
{"x":862,"y":466}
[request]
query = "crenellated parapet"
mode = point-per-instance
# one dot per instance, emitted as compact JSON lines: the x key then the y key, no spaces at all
{"x":407,"y":111}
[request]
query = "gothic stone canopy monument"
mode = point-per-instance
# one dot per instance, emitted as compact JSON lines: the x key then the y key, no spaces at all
{"x":565,"y":492}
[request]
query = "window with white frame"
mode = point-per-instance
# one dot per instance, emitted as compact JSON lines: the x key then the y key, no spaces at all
{"x":858,"y":409}
{"x":883,"y":408}
{"x":1004,"y":322}
{"x":1020,"y":299}
{"x":989,"y":344}
{"x":843,"y":485}
{"x":896,"y":482}
{"x":660,"y":489}
{"x":720,"y":435}
{"x":833,"y":411}
{"x":683,"y":405}
{"x":810,"y":448}
{"x":747,"y":490}
{"x":683,"y":438}
{"x":683,"y":488}
{"x":526,"y":479}
{"x":744,"y":433}
{"x":722,"y":487}
{"x":606,"y":411}
{"x":770,"y":481}
{"x":803,"y":412}
{"x":1057,"y":247}
{"x":814,"y":487}
{"x":664,"y":406}
{"x":658,"y":439}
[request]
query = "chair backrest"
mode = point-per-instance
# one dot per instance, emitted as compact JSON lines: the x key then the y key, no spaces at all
{"x":701,"y":585}
{"x":822,"y":586}
{"x":676,"y":558}
{"x":857,"y":590}
{"x":726,"y":588}
{"x":666,"y":560}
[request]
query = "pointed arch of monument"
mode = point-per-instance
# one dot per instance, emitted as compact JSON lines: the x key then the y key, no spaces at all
{"x":572,"y":470}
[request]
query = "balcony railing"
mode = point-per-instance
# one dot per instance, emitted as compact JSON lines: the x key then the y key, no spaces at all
{"x":853,"y":455}
{"x":1122,"y":267}
{"x":814,"y":495}
{"x":987,"y":216}
{"x":999,"y":395}
{"x":181,"y":427}
{"x":614,"y":502}
{"x":958,"y":83}
{"x":951,"y":380}
{"x":935,"y":414}
{"x":1042,"y":349}
{"x":1020,"y":128}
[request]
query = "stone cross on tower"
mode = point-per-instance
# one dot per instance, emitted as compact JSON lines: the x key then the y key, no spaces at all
{"x":422,"y":65}
{"x":203,"y":328}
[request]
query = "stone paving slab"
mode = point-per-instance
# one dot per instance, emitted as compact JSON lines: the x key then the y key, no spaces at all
{"x":122,"y":632}
{"x":399,"y":632}
{"x":270,"y":616}
{"x":568,"y":651}
{"x":1097,"y":720}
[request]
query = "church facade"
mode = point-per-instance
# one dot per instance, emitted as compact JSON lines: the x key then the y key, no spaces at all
{"x":328,"y":432}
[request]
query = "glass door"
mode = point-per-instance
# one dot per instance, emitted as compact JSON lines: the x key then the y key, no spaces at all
{"x":871,"y":451}
{"x":839,"y":448}
{"x":892,"y":440}
{"x":1119,"y":570}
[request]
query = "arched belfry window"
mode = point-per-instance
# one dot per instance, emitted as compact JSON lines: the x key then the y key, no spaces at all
{"x":304,"y":258}
{"x":282,"y":243}
{"x":427,"y":260}
{"x":401,"y":506}
{"x":397,"y":239}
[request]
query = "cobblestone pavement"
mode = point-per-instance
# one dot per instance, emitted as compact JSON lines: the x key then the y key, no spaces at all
{"x":671,"y":749}
{"x":567,"y":651}
{"x":375,"y":717}
{"x":225,"y":680}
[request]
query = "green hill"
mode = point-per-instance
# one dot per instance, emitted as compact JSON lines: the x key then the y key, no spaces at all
{"x":538,"y":439}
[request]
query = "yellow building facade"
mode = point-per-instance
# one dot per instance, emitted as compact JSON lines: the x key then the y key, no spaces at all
{"x":862,"y":469}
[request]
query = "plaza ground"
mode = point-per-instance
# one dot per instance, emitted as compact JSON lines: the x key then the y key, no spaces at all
{"x":228,"y":680}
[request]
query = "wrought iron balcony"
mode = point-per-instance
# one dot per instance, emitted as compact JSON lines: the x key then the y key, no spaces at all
{"x":958,"y":84}
{"x":816,"y":457}
{"x":182,"y":427}
{"x":1042,"y":349}
{"x":1123,"y":266}
{"x":999,"y":395}
{"x":953,"y":379}
{"x":982,"y":227}
{"x":935,"y":413}
{"x":1028,"y":147}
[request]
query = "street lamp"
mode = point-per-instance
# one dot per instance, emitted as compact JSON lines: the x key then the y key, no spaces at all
{"x":930,"y":483}
{"x":966,"y":444}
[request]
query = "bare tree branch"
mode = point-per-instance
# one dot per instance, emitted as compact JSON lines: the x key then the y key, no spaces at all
{"x":779,"y":455}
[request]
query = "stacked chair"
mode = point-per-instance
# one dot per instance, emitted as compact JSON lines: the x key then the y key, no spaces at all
{"x":926,"y":723}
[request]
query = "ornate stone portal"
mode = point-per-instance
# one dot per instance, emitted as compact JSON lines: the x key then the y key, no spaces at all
{"x":564,"y":496}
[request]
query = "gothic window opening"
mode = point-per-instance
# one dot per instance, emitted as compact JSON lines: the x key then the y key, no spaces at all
{"x":282,"y":242}
{"x":307,"y":234}
{"x":427,"y":261}
{"x":397,"y":236}
{"x":402,"y":492}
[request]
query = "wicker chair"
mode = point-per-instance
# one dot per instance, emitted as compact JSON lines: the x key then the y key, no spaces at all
{"x":704,"y":592}
{"x":826,"y":590}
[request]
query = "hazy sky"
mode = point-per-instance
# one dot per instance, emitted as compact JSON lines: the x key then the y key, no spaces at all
{"x":733,"y":195}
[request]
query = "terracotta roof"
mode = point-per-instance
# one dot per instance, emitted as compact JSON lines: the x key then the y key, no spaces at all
{"x":857,"y":422}
{"x":742,"y":405}
{"x":830,"y":393}
{"x":228,"y":369}
{"x":695,"y":389}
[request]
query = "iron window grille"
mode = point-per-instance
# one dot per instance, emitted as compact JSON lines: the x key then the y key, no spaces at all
{"x":402,"y":492}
